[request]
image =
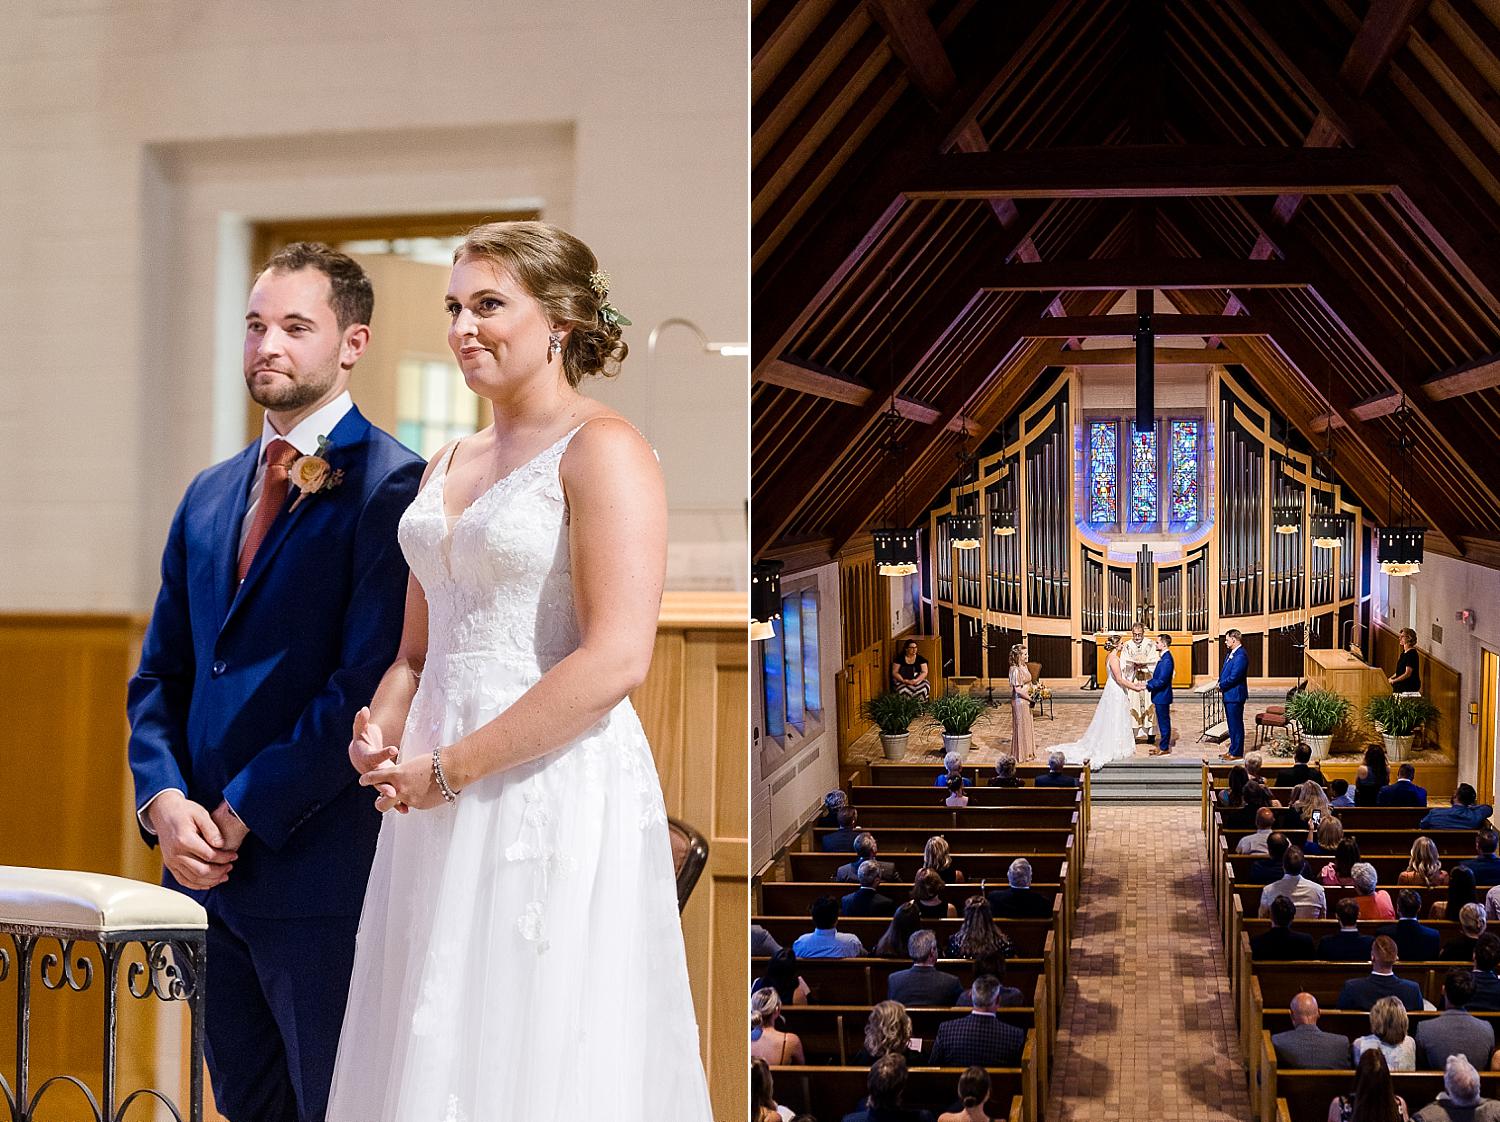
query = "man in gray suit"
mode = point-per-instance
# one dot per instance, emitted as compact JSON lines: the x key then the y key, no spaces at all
{"x":1455,"y":1031}
{"x":865,"y":849}
{"x":923,"y":984}
{"x":1305,"y":1044}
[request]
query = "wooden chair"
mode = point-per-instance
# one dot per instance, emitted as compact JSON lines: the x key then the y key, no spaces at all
{"x":689,"y":856}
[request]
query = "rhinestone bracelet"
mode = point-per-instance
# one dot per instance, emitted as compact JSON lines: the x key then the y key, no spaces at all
{"x":449,"y":794}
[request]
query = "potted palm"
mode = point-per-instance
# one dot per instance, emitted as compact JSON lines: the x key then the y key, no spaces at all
{"x":893,"y":714}
{"x":956,"y":713}
{"x":1398,"y":719}
{"x":1317,"y":713}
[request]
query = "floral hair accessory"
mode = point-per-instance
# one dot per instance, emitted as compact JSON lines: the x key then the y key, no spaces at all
{"x":311,"y":474}
{"x":610,"y":314}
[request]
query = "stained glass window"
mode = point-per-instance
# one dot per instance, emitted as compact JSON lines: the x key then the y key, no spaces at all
{"x":1104,"y":472}
{"x":1183,"y":472}
{"x":1144,"y":485}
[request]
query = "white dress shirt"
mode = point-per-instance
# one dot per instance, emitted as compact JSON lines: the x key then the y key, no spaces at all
{"x":304,"y":438}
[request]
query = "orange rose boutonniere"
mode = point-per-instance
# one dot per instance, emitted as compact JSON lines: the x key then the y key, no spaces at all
{"x":311,"y":474}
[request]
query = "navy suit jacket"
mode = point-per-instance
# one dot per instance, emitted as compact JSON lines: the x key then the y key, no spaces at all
{"x":1160,"y":683}
{"x":1363,"y":993}
{"x":1486,"y":868}
{"x":1403,"y":792}
{"x":1415,"y":941}
{"x":1234,"y":675}
{"x":977,"y":1039}
{"x":249,"y":693}
{"x":1345,"y":946}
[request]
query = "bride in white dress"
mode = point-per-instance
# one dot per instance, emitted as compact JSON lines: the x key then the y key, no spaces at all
{"x":520,"y":952}
{"x":1111,"y":734}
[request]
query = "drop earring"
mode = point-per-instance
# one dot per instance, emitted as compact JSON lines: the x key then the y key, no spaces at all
{"x":554,"y":345}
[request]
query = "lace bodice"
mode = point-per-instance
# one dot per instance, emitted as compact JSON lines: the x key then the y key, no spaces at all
{"x":498,"y":581}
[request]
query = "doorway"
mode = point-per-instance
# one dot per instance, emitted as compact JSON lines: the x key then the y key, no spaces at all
{"x":1489,"y":690}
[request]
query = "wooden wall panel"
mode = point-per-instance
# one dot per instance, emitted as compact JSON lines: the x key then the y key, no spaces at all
{"x":1441,"y":684}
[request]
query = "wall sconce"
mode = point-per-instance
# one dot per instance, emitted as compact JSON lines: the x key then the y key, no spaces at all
{"x":727,"y":350}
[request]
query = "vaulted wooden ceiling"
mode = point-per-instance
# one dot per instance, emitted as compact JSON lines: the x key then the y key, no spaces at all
{"x":947,"y":195}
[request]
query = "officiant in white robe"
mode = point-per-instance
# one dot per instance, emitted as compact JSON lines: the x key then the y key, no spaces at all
{"x":1138,"y":656}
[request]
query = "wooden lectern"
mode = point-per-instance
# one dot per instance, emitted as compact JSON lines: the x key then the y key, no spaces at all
{"x":1340,"y":672}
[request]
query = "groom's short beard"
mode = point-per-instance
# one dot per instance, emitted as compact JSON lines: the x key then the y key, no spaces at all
{"x":290,"y":395}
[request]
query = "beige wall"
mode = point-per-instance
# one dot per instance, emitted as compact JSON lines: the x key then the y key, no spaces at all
{"x":141,"y":141}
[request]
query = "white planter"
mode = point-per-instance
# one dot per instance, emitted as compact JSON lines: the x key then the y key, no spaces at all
{"x":959,"y":744}
{"x":1318,"y":744}
{"x":1397,"y":747}
{"x":894,"y":744}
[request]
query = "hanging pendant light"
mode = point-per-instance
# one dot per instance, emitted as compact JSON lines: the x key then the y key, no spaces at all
{"x":963,"y":530}
{"x":765,"y":599}
{"x":895,"y":545}
{"x":1328,"y":530}
{"x":1004,"y":522}
{"x":895,"y":552}
{"x":1286,"y":517}
{"x":1400,"y":550}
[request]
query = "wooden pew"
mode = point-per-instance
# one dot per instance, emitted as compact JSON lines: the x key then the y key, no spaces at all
{"x":791,"y":898}
{"x":1451,"y":844}
{"x":889,"y":774}
{"x":1307,"y":1092}
{"x":862,"y":795}
{"x":834,"y":1034}
{"x":1354,"y":1024}
{"x":938,"y":819}
{"x":976,"y":867}
{"x":862,"y":981}
{"x":1027,"y":936}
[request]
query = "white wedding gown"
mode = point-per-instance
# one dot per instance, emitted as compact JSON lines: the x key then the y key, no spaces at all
{"x":1110,"y":735}
{"x":519,"y":954}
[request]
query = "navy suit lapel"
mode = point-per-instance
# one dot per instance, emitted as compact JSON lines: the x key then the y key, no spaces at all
{"x":227,"y":519}
{"x":350,"y":431}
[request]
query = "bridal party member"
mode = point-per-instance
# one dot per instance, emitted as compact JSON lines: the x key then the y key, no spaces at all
{"x":1232,"y":679}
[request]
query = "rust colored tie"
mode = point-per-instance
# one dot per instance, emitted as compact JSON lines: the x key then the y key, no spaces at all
{"x":279,"y":457}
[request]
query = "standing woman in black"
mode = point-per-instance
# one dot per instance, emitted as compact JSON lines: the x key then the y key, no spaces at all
{"x":1408,"y":677}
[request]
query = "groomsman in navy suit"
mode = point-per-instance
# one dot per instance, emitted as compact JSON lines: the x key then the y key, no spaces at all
{"x":1232,"y":685}
{"x":281,"y":602}
{"x":1160,"y":687}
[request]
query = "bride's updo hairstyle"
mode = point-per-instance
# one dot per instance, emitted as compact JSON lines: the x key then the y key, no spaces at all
{"x":555,"y":269}
{"x":1111,"y":642}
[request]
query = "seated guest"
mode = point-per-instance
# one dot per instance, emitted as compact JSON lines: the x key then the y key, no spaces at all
{"x":1403,"y":792}
{"x":1373,"y":1097}
{"x":887,"y":1033}
{"x":1305,"y":1044}
{"x":1471,"y":924}
{"x":866,"y":900}
{"x":825,"y":940}
{"x":1338,"y":793}
{"x":1268,"y":868}
{"x":762,"y":943}
{"x":1374,"y":901}
{"x":1255,"y":766}
{"x":763,"y":1106}
{"x":1466,"y":813}
{"x":1424,"y":869}
{"x":1281,"y":943}
{"x":905,"y":923}
{"x":1371,"y":776}
{"x":887,"y":1084}
{"x":1381,"y":981}
{"x":1302,"y":770}
{"x":1486,"y":996}
{"x":1234,"y":794}
{"x":1054,"y":776}
{"x":1340,"y":871}
{"x":1019,"y":901}
{"x":767,"y":1041}
{"x":1415,"y":941}
{"x":935,"y":856}
{"x":1456,"y":1031}
{"x":1460,"y":1099}
{"x":927,"y":894}
{"x":781,"y":975}
{"x":1461,"y":891}
{"x":842,"y":839}
{"x":977,"y":935}
{"x":1324,"y":839}
{"x":980,"y":1036}
{"x":1265,"y":822}
{"x":1005,"y":772}
{"x":833,"y":802}
{"x":1346,"y":944}
{"x":953,"y":764}
{"x":1485,"y":864}
{"x":992,"y":963}
{"x":956,"y":796}
{"x":865,"y":849}
{"x":1388,"y":1035}
{"x":1257,"y":795}
{"x":1492,"y":903}
{"x":1307,"y":896}
{"x":922,"y":983}
{"x":1310,"y":805}
{"x":973,"y":1093}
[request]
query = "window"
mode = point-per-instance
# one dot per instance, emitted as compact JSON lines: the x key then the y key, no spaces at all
{"x":1160,"y":473}
{"x":433,"y":405}
{"x":791,"y":677}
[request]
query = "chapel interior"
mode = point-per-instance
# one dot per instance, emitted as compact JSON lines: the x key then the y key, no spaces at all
{"x":1071,"y":317}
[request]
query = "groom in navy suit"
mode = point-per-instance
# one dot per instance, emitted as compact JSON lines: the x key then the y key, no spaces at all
{"x":282,"y":593}
{"x":1160,"y":687}
{"x":1232,"y":680}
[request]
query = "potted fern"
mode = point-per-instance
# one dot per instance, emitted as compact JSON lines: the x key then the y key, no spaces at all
{"x":1317,"y":713}
{"x":1398,"y":719}
{"x":893,"y":714}
{"x":956,"y":713}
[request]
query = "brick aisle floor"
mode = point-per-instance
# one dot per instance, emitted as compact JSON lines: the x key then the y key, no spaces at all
{"x":1147,"y":1027}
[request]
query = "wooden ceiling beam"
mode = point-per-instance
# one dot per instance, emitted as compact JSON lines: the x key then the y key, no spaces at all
{"x":1119,"y":274}
{"x":1386,"y":25}
{"x":1125,"y":356}
{"x":832,"y":385}
{"x":1471,"y":377}
{"x":1109,"y":326}
{"x":1148,"y":171}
